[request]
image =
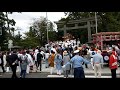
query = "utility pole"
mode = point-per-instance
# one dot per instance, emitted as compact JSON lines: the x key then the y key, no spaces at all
{"x":47,"y":27}
{"x":96,"y":21}
{"x":89,"y":29}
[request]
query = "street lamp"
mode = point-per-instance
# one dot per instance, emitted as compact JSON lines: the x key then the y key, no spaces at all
{"x":96,"y":21}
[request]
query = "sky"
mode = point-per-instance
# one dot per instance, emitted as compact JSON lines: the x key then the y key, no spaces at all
{"x":23,"y":20}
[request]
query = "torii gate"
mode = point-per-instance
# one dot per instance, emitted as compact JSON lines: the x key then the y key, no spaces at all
{"x":62,"y":26}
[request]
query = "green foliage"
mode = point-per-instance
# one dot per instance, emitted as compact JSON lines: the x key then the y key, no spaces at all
{"x":31,"y":39}
{"x":53,"y":36}
{"x":59,"y":35}
{"x":7,"y":29}
{"x":108,"y":22}
{"x":37,"y":35}
{"x":17,"y":39}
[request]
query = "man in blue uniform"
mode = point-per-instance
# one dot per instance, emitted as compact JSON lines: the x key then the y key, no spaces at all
{"x":77,"y":61}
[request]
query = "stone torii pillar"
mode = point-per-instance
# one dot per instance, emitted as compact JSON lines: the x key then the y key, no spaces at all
{"x":65,"y":30}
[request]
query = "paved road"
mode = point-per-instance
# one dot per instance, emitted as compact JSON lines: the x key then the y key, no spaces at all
{"x":47,"y":75}
{"x":89,"y":73}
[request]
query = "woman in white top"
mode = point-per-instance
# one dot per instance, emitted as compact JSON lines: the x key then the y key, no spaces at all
{"x":30,"y":61}
{"x":47,"y":54}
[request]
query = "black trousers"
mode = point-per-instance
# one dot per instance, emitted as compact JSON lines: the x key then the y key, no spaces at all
{"x":14,"y":67}
{"x":39,"y":63}
{"x":66,"y":72}
{"x":2,"y":68}
{"x":79,"y":72}
{"x":23,"y":73}
{"x":113,"y":73}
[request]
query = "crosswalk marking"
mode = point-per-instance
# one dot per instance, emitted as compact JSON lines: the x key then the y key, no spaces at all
{"x":101,"y":76}
{"x":55,"y":76}
{"x":71,"y":76}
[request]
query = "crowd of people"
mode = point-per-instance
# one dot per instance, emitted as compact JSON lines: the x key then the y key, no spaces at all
{"x":67,"y":56}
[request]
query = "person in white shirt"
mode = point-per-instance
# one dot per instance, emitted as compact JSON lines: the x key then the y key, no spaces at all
{"x":53,"y":49}
{"x":19,"y":56}
{"x":66,"y":44}
{"x":47,"y":54}
{"x":43,"y":54}
{"x":98,"y":61}
{"x":35,"y":55}
{"x":7,"y":61}
{"x":92,"y":52}
{"x":30,"y":61}
{"x":4,"y":59}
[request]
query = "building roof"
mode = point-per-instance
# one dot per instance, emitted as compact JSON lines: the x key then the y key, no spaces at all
{"x":107,"y":33}
{"x":77,"y":21}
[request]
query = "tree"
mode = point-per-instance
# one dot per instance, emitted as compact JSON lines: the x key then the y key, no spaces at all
{"x":53,"y":36}
{"x":30,"y":40}
{"x":40,"y":28}
{"x":6,"y":25}
{"x":17,"y":39}
{"x":37,"y":34}
{"x":108,"y":21}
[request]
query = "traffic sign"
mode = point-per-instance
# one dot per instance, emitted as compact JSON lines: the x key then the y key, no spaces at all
{"x":10,"y":42}
{"x":10,"y":46}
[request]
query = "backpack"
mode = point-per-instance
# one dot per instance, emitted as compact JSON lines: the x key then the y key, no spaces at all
{"x":61,"y":61}
{"x":24,"y":58}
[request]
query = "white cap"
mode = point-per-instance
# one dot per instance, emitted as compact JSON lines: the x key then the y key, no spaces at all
{"x":76,"y":51}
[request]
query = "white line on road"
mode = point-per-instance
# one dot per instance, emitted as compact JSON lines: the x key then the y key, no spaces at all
{"x":71,"y":76}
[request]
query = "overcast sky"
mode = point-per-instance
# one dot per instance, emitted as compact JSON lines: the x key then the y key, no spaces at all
{"x":24,"y":19}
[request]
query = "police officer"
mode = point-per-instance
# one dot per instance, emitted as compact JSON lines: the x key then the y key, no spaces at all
{"x":77,"y":61}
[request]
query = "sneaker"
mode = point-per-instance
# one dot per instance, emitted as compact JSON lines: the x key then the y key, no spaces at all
{"x":7,"y":71}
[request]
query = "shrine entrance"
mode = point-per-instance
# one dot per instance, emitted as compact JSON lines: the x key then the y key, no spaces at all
{"x":77,"y":24}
